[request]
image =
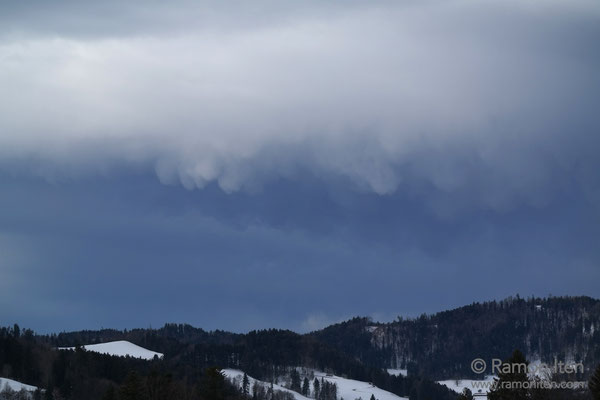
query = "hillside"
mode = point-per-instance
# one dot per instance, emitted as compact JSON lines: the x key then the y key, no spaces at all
{"x":404,"y":357}
{"x":345,"y":388}
{"x":15,"y":385}
{"x":120,"y":348}
{"x":443,"y":345}
{"x":187,"y":366}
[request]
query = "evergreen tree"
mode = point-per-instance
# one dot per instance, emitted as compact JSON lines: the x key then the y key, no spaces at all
{"x":372,"y":397}
{"x":213,"y":385}
{"x":159,"y":387}
{"x":132,"y":388}
{"x":305,"y":387}
{"x":512,"y":380}
{"x":295,"y":385}
{"x":37,"y":395}
{"x":245,"y":385}
{"x":16,"y":331}
{"x":316,"y":388}
{"x":270,"y":392}
{"x":594,"y":384}
{"x":466,"y":394}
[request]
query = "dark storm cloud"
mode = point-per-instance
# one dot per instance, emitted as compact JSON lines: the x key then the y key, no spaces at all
{"x":308,"y":161}
{"x":129,"y":252}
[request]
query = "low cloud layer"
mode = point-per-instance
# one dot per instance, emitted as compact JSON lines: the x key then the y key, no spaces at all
{"x":495,"y":102}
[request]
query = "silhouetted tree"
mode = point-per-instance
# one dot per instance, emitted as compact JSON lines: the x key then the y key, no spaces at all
{"x":132,"y":388}
{"x":512,"y":380}
{"x":305,"y":387}
{"x":295,"y":385}
{"x":245,"y":385}
{"x":466,"y":394}
{"x":213,"y":385}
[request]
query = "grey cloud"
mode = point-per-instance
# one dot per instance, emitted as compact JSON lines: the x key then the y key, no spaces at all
{"x":114,"y":19}
{"x":483,"y":102}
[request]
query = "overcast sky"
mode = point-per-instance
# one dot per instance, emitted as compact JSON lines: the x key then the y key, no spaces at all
{"x":243,"y":165}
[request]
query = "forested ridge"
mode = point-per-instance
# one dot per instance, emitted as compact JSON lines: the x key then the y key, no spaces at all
{"x":187,"y":370}
{"x":443,"y":345}
{"x":431,"y":347}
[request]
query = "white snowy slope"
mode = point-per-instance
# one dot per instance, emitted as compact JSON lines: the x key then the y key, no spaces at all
{"x":475,"y":386}
{"x":351,"y":389}
{"x":236,"y":377}
{"x":119,"y":348}
{"x":15,"y":385}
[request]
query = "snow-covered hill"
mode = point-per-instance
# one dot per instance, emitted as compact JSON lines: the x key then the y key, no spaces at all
{"x":349,"y":389}
{"x":15,"y":385}
{"x":120,"y":348}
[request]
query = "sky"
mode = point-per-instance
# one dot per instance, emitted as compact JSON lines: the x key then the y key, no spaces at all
{"x":244,"y":165}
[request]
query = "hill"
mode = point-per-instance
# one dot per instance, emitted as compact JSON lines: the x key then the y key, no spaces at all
{"x":404,"y":357}
{"x":443,"y":345}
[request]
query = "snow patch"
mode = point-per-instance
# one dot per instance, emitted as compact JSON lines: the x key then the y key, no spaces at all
{"x":458,"y":385}
{"x":121,"y":348}
{"x":397,"y":372}
{"x":351,"y":389}
{"x":15,"y":385}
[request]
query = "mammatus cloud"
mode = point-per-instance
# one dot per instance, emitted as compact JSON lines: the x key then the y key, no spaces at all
{"x":464,"y":103}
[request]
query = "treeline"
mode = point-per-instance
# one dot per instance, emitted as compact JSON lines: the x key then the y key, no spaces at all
{"x":442,"y":345}
{"x":20,"y":354}
{"x":269,"y":354}
{"x":188,"y":353}
{"x":321,"y":389}
{"x":169,"y":339}
{"x":212,"y":385}
{"x":79,"y":374}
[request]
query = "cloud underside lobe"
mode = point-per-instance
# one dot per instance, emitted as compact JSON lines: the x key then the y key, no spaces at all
{"x":496,"y":103}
